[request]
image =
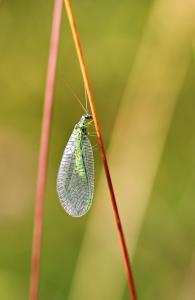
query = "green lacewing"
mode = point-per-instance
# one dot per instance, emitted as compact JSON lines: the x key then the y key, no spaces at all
{"x":75,"y":179}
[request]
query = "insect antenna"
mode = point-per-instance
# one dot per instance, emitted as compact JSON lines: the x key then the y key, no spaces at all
{"x":75,"y":94}
{"x":86,"y":100}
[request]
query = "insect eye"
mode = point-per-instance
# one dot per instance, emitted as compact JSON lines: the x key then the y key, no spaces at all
{"x":89,"y":117}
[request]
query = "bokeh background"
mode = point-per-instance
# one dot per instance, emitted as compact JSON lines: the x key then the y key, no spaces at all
{"x":140,"y":60}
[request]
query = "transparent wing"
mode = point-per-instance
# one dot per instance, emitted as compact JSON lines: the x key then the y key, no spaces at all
{"x":75,"y":191}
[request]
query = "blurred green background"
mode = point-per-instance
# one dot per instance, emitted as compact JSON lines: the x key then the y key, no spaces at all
{"x":140,"y":60}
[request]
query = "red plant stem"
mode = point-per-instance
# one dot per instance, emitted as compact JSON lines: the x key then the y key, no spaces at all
{"x":92,"y":105}
{"x":43,"y":155}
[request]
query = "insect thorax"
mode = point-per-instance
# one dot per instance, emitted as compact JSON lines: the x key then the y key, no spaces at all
{"x":82,"y":123}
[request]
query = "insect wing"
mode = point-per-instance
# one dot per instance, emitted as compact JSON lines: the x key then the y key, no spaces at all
{"x":75,"y":180}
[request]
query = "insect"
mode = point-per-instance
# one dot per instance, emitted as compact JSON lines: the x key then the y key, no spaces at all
{"x":75,"y":179}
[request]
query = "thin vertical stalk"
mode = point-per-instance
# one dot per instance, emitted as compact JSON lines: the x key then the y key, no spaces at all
{"x":43,"y":155}
{"x":109,"y":181}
